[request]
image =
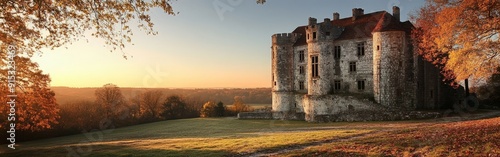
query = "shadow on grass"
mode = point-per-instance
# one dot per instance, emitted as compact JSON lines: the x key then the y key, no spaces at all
{"x":329,"y":154}
{"x":111,"y":151}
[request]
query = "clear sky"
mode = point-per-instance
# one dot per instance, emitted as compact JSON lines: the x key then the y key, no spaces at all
{"x":199,"y":47}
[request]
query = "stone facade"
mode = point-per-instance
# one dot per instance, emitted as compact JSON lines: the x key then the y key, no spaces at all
{"x":364,"y":62}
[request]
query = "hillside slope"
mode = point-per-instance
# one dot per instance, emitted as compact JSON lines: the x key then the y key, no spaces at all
{"x":231,"y":137}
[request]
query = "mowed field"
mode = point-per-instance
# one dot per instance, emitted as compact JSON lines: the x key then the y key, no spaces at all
{"x":232,"y":137}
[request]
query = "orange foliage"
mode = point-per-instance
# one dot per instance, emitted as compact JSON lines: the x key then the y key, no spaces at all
{"x":460,"y":36}
{"x":36,"y":107}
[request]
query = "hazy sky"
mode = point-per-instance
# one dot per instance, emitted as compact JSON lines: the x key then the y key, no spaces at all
{"x":200,"y":47}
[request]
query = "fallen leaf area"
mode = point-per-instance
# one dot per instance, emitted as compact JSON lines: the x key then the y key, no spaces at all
{"x":466,"y":138}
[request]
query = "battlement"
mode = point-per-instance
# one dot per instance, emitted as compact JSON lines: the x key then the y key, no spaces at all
{"x":284,"y":38}
{"x":322,"y":31}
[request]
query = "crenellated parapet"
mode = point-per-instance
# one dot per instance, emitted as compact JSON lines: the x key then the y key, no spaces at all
{"x":284,"y":38}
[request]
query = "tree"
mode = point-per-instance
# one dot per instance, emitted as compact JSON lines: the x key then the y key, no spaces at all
{"x":111,"y":99}
{"x":460,"y":36}
{"x":174,"y":107}
{"x":220,"y":109}
{"x":74,"y":115}
{"x":239,"y":106}
{"x":35,"y":105}
{"x":208,"y":109}
{"x":32,"y":25}
{"x":489,"y":92}
{"x":150,"y":104}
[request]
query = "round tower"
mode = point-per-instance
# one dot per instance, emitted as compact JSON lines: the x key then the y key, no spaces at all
{"x":282,"y":71}
{"x":388,"y":67}
{"x":319,"y":38}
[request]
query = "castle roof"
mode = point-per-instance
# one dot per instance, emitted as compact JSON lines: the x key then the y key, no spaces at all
{"x":362,"y":27}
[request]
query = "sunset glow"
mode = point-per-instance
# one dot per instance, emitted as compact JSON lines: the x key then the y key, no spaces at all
{"x":196,"y":48}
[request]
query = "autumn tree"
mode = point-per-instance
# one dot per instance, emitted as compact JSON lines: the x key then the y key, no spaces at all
{"x":32,"y":25}
{"x":174,"y":107}
{"x":35,"y":108}
{"x":208,"y":110}
{"x":460,"y":36}
{"x":488,"y":92}
{"x":150,"y":104}
{"x":75,"y":115}
{"x":111,"y":99}
{"x":239,"y":106}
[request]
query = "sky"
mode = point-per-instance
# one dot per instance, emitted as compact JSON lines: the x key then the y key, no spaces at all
{"x":209,"y":44}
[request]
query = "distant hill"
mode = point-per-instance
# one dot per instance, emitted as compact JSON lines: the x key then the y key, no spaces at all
{"x":65,"y":95}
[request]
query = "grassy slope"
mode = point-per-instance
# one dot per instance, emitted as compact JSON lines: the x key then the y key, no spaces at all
{"x":227,"y":136}
{"x":191,"y":137}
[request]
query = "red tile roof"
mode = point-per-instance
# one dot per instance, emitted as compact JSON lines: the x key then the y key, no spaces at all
{"x":302,"y":39}
{"x":362,"y":27}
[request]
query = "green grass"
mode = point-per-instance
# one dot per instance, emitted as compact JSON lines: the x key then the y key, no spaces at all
{"x":187,"y":137}
{"x":229,"y":136}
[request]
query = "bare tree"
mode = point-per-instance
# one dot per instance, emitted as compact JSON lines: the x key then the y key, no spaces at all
{"x":151,"y":103}
{"x":112,"y":100}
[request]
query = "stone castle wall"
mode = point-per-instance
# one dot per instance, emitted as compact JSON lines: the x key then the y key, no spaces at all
{"x":395,"y":78}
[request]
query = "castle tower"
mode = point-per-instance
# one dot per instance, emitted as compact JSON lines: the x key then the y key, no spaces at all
{"x":282,"y":71}
{"x":319,"y":39}
{"x":389,"y":67}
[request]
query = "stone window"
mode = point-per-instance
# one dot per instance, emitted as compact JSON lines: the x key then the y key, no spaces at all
{"x":361,"y":84}
{"x":361,"y":49}
{"x":327,"y":33}
{"x":301,"y":85}
{"x":314,"y":66}
{"x":352,"y":66}
{"x":378,"y":47}
{"x":301,"y":56}
{"x":336,"y":85}
{"x":314,"y":35}
{"x":432,"y":94}
{"x":301,"y":69}
{"x":336,"y":53}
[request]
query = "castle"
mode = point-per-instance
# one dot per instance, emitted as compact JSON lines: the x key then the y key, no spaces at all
{"x":362,"y":62}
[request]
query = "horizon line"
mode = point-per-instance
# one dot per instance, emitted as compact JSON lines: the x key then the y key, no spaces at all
{"x":170,"y":87}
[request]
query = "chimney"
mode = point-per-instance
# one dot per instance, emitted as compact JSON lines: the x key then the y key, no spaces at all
{"x":396,"y":13}
{"x":356,"y":12}
{"x":326,"y":20}
{"x":336,"y":16}
{"x":312,"y":21}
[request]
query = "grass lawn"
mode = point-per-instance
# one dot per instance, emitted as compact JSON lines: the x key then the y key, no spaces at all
{"x":232,"y":137}
{"x":186,"y":137}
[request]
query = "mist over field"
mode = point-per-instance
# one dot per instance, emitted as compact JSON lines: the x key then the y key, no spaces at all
{"x":65,"y":95}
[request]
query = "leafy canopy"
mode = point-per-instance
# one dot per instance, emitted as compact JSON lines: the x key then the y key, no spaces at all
{"x":32,"y":25}
{"x":461,"y":36}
